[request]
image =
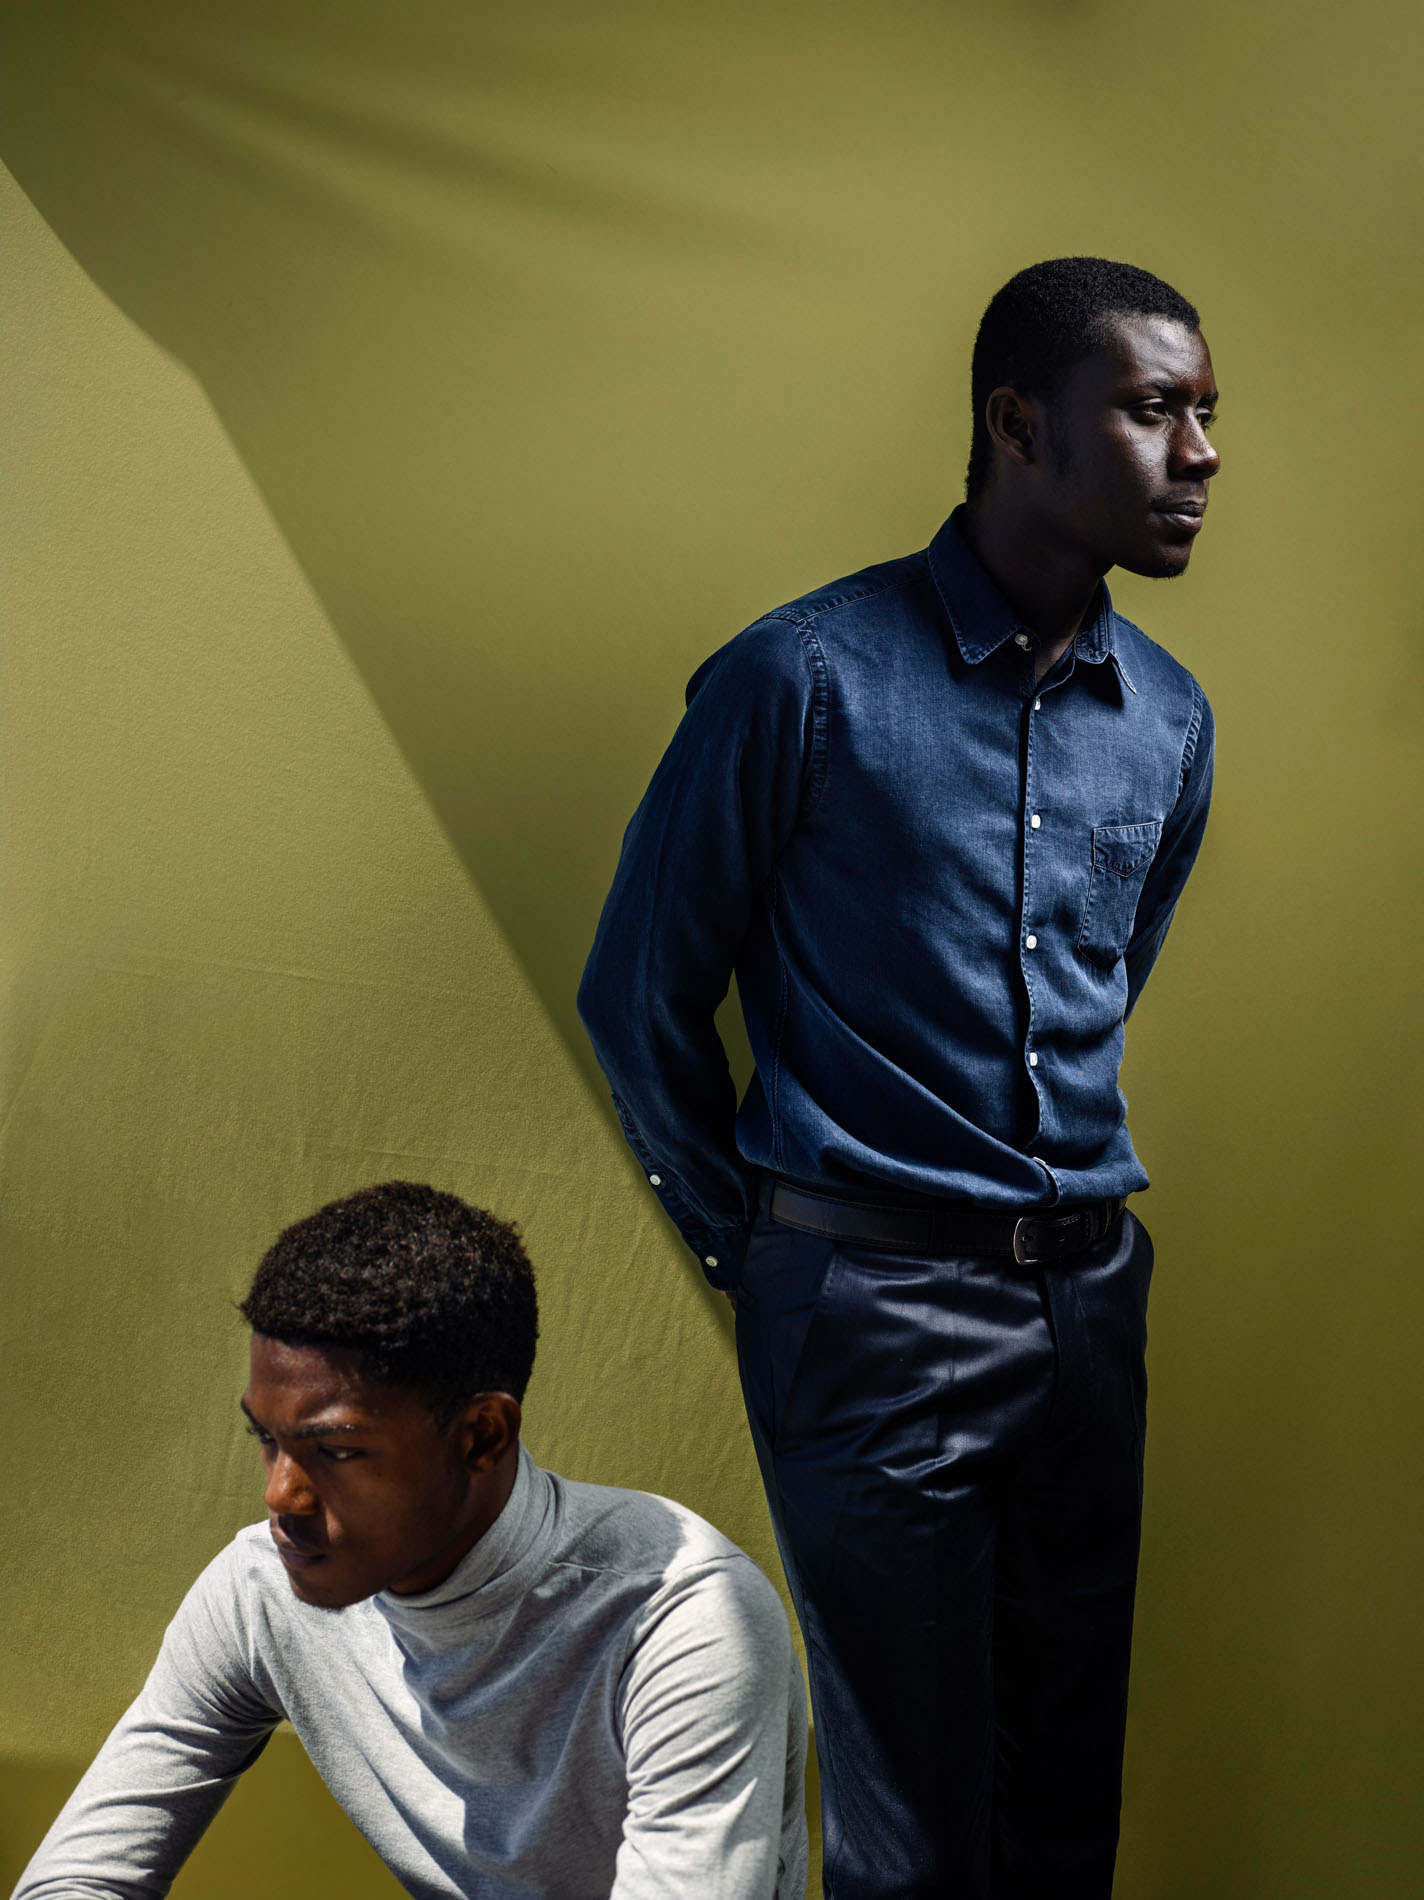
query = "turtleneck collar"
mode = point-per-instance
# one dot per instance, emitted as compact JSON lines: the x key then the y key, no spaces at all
{"x":502,"y":1564}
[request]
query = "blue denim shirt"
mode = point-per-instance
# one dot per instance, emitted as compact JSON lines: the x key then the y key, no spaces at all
{"x":941,"y":888}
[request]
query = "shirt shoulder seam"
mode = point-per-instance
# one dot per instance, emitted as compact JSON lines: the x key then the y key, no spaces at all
{"x":1189,"y":744}
{"x":800,"y":615}
{"x":818,"y":668}
{"x":807,"y":609}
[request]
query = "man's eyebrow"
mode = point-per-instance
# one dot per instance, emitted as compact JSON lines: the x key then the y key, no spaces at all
{"x":1208,"y":396}
{"x":302,"y":1431}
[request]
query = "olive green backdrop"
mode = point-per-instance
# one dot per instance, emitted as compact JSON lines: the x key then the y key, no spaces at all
{"x":400,"y":402}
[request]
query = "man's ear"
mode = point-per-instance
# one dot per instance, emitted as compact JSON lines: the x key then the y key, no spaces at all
{"x":1015,"y":425}
{"x":487,"y":1430}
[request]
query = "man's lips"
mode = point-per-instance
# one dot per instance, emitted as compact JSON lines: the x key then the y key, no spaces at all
{"x":1182,"y":514}
{"x":294,"y":1553}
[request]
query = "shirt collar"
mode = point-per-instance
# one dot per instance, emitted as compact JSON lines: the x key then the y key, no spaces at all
{"x":983,"y":620}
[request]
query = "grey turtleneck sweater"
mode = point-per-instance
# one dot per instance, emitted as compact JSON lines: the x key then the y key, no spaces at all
{"x":600,"y":1703}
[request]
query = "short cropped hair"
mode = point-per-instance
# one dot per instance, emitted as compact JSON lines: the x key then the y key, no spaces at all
{"x":436,"y":1296}
{"x":1045,"y":320}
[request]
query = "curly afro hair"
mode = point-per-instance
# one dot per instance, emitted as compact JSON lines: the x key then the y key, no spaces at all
{"x":1046,"y":319}
{"x":436,"y":1295}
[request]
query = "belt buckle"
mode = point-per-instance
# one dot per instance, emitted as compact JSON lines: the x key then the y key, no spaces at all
{"x":1082,"y":1215}
{"x":1021,"y":1253}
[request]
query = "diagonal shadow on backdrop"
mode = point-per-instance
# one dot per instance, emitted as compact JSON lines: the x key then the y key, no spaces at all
{"x":560,"y":341}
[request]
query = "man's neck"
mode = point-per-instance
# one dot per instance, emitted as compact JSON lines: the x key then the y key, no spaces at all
{"x":1050,"y":587}
{"x":486,"y":1504}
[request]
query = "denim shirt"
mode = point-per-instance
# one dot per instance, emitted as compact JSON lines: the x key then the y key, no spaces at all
{"x":941,"y":888}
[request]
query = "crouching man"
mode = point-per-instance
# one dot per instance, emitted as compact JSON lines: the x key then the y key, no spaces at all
{"x":513,"y":1684}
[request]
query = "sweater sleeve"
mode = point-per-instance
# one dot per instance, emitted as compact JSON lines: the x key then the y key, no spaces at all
{"x":699,"y":850}
{"x":713,"y":1717}
{"x":169,"y":1764}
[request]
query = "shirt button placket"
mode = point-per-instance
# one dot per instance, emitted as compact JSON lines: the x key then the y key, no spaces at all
{"x":1028,"y":938}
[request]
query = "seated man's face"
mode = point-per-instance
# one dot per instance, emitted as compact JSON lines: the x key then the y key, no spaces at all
{"x":364,"y":1491}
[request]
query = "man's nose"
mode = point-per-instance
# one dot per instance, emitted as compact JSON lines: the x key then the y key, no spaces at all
{"x":1193,"y":451}
{"x":289,"y":1492}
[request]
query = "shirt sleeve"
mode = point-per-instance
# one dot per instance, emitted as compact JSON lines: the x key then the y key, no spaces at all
{"x":168,"y":1766}
{"x":713,"y":1719}
{"x":1177,"y":852}
{"x":701,"y":846}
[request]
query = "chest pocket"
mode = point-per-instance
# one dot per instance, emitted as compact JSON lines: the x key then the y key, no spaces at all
{"x":1121,"y":856}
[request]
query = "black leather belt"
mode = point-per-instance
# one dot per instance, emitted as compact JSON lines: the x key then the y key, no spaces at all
{"x":942,"y":1228}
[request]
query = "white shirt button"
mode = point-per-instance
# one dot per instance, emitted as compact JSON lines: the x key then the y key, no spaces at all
{"x":711,"y":1259}
{"x":1038,"y":705}
{"x":656,"y":1179}
{"x":1030,"y":942}
{"x":1035,"y":822}
{"x":1020,"y":639}
{"x":1033,"y":1058}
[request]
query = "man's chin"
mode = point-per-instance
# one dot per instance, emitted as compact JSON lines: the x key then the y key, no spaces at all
{"x":1162,"y":564}
{"x":324,"y":1592}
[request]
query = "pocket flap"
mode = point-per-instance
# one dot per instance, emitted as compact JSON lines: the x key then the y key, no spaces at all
{"x":1124,"y":849}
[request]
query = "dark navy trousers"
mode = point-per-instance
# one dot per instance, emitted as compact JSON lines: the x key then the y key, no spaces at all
{"x":952,"y":1451}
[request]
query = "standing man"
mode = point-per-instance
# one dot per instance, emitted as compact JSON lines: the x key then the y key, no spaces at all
{"x":936,"y":817}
